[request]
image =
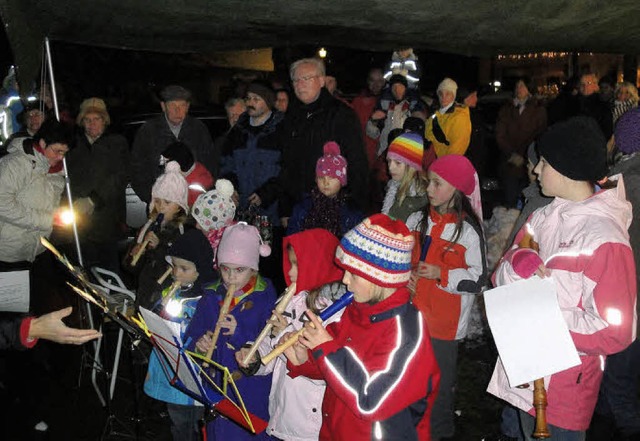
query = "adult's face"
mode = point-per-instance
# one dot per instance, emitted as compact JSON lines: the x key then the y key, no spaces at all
{"x":54,"y":152}
{"x":446,"y":97}
{"x":471,"y":101}
{"x":256,"y":106}
{"x":307,"y":83}
{"x":94,"y":125}
{"x":282,"y":101}
{"x":35,"y":118}
{"x":234,"y":112}
{"x":331,"y":84}
{"x":588,"y":85}
{"x":175,"y":111}
{"x":375,"y":81}
{"x":521,"y":90}
{"x":398,"y":90}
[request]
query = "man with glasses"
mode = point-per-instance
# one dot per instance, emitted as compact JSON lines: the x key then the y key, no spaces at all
{"x":313,"y":118}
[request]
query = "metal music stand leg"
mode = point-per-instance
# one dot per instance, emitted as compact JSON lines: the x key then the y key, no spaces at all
{"x":114,"y":427}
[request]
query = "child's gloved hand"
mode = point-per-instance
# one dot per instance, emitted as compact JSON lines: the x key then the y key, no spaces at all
{"x":428,"y":271}
{"x":153,"y":240}
{"x":204,"y":343}
{"x":297,"y":353}
{"x":314,"y":333}
{"x":230,"y":324}
{"x":278,"y":324}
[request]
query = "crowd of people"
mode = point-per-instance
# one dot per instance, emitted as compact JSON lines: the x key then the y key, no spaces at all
{"x":379,"y":197}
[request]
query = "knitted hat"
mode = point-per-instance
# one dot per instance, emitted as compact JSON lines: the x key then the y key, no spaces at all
{"x":379,"y":250}
{"x":175,"y":93}
{"x":171,"y":186}
{"x":194,"y":247}
{"x":414,"y":124}
{"x":332,"y":163}
{"x":398,"y":78}
{"x":576,"y":148}
{"x":265,"y":92}
{"x":627,"y":134}
{"x":449,"y":85}
{"x":179,"y":152}
{"x":93,"y":105}
{"x":215,"y":209}
{"x":458,"y":171}
{"x":242,"y":245}
{"x":407,"y":148}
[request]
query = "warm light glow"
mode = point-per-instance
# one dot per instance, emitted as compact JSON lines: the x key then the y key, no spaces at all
{"x":322,"y":52}
{"x":67,"y":217}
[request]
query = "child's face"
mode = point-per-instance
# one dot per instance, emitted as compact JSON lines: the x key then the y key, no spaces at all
{"x":551,"y":181}
{"x":184,"y":271}
{"x":396,"y":169}
{"x":439,"y":191}
{"x":236,"y":275}
{"x":293,"y":260}
{"x":168,"y":208}
{"x":363,"y":290}
{"x":328,"y":185}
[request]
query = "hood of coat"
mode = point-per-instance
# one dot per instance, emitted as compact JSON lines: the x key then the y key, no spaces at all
{"x":315,"y":250}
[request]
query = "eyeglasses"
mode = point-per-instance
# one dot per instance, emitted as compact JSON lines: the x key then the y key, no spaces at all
{"x":304,"y":79}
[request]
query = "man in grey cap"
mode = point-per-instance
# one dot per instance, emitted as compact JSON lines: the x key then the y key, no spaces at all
{"x":155,"y":135}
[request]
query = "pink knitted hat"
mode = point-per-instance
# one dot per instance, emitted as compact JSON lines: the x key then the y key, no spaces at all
{"x":458,"y":171}
{"x":332,"y":163}
{"x":242,"y":245}
{"x":171,"y":186}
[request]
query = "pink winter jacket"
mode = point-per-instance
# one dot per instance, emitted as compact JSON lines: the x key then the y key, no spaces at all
{"x":585,"y":247}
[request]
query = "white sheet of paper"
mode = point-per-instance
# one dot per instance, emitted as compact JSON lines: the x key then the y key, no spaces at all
{"x":14,"y":291}
{"x":167,"y":331}
{"x":530,"y":333}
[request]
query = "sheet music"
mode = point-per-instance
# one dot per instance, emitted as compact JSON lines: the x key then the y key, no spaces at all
{"x":166,"y":332}
{"x":14,"y":291}
{"x":530,"y":333}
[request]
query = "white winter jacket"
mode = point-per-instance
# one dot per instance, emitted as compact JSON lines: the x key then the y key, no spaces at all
{"x":29,"y":195}
{"x":295,"y":404}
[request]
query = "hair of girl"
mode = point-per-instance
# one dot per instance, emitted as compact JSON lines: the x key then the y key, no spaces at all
{"x":411,"y":176}
{"x":461,"y":206}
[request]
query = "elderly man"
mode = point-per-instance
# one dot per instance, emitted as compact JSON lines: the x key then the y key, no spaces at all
{"x":98,"y":168}
{"x":520,"y":121}
{"x":449,"y":128}
{"x":591,"y":104}
{"x":313,"y":118}
{"x":155,"y":135}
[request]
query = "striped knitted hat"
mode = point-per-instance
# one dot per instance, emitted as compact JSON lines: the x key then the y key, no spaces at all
{"x":379,"y":250}
{"x":408,"y":149}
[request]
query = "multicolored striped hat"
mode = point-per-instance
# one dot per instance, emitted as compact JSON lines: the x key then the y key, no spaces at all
{"x":407,"y":148}
{"x":379,"y":250}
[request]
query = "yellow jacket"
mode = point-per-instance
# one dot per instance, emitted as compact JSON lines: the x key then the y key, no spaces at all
{"x":456,"y":126}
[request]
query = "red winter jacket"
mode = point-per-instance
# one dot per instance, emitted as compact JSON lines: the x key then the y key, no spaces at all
{"x":380,"y":371}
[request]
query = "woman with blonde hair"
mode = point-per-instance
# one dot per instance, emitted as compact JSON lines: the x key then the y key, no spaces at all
{"x":626,"y":98}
